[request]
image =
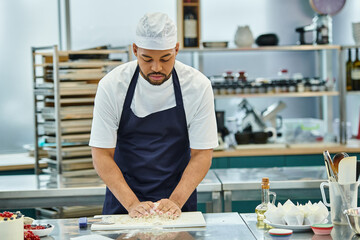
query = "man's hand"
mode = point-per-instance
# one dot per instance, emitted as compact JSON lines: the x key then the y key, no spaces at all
{"x":141,"y":209}
{"x":168,"y":209}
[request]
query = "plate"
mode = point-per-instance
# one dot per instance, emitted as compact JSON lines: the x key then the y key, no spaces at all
{"x":215,"y":44}
{"x":42,"y":232}
{"x":295,"y":228}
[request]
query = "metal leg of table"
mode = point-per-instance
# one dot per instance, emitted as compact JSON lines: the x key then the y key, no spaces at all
{"x":217,"y":202}
{"x":227,"y":201}
{"x":209,"y":207}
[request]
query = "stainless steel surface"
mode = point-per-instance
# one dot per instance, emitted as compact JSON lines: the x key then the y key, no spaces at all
{"x":227,"y":226}
{"x":338,"y":232}
{"x":57,"y":107}
{"x":288,"y":182}
{"x":29,"y":191}
{"x":353,"y":218}
{"x":342,"y":90}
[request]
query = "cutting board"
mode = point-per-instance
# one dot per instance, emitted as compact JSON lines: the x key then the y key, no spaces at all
{"x":124,"y":221}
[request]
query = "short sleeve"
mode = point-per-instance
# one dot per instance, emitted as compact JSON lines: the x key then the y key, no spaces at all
{"x":105,"y":122}
{"x":202,"y":128}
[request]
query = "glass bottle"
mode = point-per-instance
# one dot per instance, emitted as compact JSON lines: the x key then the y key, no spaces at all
{"x":265,"y":199}
{"x":348,"y":71}
{"x":190,"y":28}
{"x":242,"y":76}
{"x":355,"y":72}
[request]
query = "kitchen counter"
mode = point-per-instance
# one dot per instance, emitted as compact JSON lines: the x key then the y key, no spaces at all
{"x":30,"y":191}
{"x":244,"y":184}
{"x":338,"y":233}
{"x":227,"y":226}
{"x":21,"y":161}
{"x":352,"y":146}
{"x":219,"y":226}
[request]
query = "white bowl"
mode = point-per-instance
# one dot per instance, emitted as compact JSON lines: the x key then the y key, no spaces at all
{"x":42,"y":232}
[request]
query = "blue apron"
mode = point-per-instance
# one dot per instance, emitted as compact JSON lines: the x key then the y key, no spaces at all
{"x":152,"y":152}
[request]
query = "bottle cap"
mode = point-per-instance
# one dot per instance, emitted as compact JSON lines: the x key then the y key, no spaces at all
{"x":265,"y":183}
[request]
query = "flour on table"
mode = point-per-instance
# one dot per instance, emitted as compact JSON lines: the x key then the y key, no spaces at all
{"x":127,"y":220}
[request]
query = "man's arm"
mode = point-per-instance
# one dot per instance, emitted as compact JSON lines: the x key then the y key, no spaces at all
{"x":105,"y":166}
{"x":194,"y":173}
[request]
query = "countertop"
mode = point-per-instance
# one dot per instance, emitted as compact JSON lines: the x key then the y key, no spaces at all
{"x":20,"y":161}
{"x":219,"y":226}
{"x":352,"y":146}
{"x":28,"y":191}
{"x":223,"y":226}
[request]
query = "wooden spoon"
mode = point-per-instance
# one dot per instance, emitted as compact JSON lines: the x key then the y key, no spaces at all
{"x":336,"y":160}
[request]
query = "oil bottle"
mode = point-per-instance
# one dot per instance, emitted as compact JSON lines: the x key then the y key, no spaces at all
{"x":265,"y":199}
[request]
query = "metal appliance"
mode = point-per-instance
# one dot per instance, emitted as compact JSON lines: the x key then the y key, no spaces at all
{"x":321,"y":26}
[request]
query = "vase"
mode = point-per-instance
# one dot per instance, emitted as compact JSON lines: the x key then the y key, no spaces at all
{"x":243,"y":37}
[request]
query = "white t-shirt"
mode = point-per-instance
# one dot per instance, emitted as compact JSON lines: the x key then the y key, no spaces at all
{"x":197,"y":97}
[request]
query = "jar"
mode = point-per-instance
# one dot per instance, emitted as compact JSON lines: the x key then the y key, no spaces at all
{"x":322,"y":87}
{"x":242,"y":76}
{"x":247,"y":87}
{"x":215,"y":88}
{"x":307,"y":86}
{"x":277,"y":87}
{"x":300,"y":85}
{"x":284,"y":86}
{"x":230,"y":89}
{"x":228,"y":76}
{"x":292,"y":86}
{"x":222,"y":89}
{"x":254,"y":88}
{"x":283,"y":74}
{"x":270,"y":88}
{"x":239,"y":88}
{"x":262,"y":88}
{"x":314,"y":87}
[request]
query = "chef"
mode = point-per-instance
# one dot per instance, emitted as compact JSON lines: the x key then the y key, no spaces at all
{"x":153,"y":127}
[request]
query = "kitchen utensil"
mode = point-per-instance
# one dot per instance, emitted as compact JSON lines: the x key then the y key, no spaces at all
{"x":342,"y":197}
{"x":269,"y":39}
{"x":337,"y":158}
{"x":329,"y":166}
{"x":353,"y":219}
{"x":347,"y":170}
{"x":357,"y":170}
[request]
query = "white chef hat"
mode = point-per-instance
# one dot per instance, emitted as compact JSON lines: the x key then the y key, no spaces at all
{"x":156,"y":31}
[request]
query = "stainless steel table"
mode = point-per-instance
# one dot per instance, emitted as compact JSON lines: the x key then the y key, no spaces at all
{"x":338,"y":232}
{"x":30,"y":191}
{"x":229,"y":226}
{"x":244,"y":184}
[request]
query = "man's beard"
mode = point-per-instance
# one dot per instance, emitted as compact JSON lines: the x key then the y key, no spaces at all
{"x":147,"y":77}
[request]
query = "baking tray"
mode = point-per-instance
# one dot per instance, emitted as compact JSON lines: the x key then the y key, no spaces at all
{"x":73,"y":138}
{"x":71,"y":164}
{"x":72,"y":100}
{"x":68,"y":126}
{"x":73,"y":112}
{"x":67,"y":152}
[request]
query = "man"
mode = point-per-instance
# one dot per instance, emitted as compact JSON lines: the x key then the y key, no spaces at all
{"x":154,"y":127}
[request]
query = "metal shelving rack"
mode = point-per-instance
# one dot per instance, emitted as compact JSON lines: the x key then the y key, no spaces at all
{"x":343,"y":91}
{"x":64,"y":90}
{"x":323,"y":59}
